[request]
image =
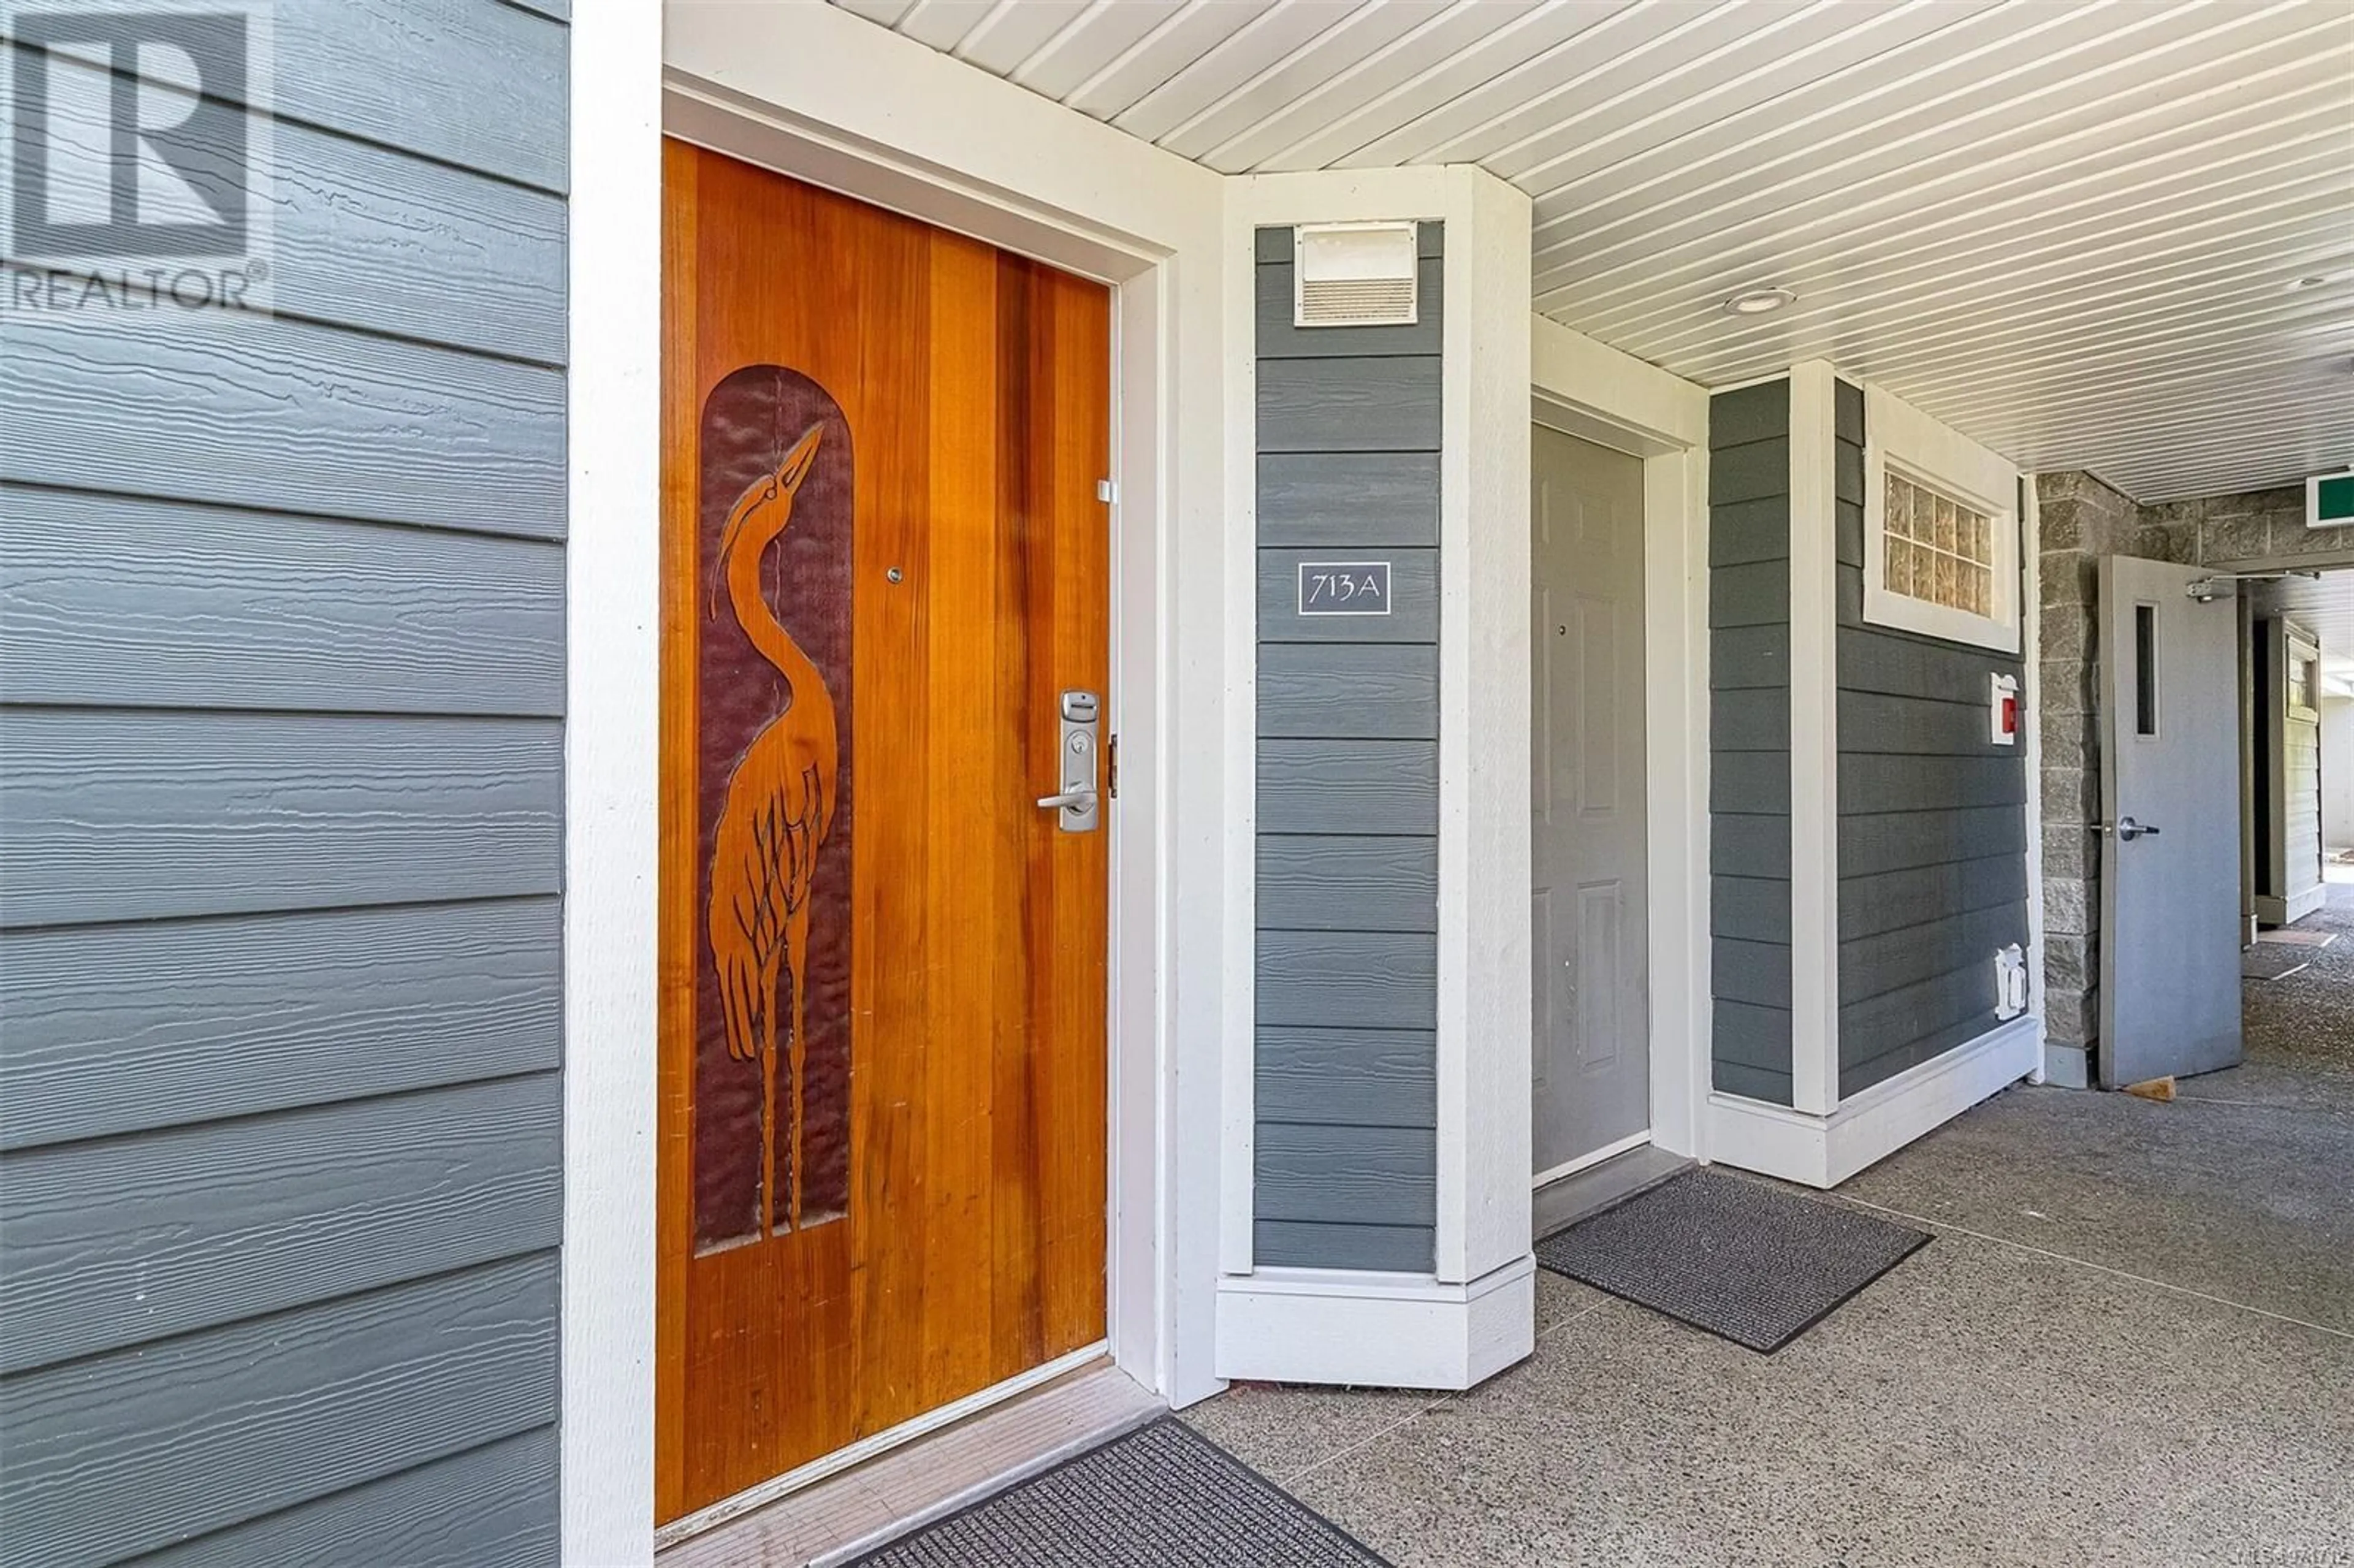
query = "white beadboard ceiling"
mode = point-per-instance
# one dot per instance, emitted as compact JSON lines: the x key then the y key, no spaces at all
{"x":2078,"y":230}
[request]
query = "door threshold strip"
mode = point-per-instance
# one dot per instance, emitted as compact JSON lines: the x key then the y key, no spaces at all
{"x":1595,"y":1157}
{"x":762,"y":1495}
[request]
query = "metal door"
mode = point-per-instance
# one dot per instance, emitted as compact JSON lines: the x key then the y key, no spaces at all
{"x":2169,"y":833}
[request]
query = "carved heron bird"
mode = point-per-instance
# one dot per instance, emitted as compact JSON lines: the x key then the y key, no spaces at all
{"x":779,"y":806}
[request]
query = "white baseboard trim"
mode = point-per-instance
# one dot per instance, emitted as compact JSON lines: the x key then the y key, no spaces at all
{"x":1379,"y":1331}
{"x":1825,"y":1151}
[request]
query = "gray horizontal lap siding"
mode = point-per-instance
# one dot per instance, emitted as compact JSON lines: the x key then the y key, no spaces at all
{"x":1345,"y":1173}
{"x":1931,"y":823}
{"x":282,"y":619}
{"x":1749,"y":741}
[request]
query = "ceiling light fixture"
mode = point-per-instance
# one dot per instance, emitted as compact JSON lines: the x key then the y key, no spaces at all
{"x":1759,"y":302}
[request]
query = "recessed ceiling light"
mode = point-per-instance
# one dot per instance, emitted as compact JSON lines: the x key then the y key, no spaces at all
{"x":1759,"y":302}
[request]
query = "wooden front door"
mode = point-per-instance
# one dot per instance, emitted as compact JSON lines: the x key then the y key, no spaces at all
{"x":883,"y":1010}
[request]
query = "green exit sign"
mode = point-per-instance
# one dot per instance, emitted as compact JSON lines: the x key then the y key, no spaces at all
{"x":2328,"y":500}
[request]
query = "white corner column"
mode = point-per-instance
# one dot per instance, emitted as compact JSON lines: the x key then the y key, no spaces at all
{"x":1474,"y":1313}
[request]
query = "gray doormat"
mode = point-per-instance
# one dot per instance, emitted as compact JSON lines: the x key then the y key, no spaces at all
{"x":1752,"y":1263}
{"x":1163,"y":1497}
{"x":2290,"y":936}
{"x":2273,"y":961}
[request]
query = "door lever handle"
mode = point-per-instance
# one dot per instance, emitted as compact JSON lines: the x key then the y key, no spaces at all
{"x":1068,"y":800}
{"x":2127,"y":829}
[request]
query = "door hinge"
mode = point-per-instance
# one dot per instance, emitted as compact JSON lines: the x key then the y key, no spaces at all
{"x":1111,"y":766}
{"x":1106,"y":491}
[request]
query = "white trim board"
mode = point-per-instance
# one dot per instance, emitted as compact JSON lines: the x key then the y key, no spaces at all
{"x":2031,"y":717}
{"x":613,"y":445}
{"x":1383,"y":1331}
{"x":1814,"y":738}
{"x":1825,"y":1151}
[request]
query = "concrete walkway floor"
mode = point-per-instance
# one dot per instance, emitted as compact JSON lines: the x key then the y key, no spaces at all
{"x":2131,"y":1342}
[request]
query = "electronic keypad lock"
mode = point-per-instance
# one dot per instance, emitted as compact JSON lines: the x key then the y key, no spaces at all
{"x":1078,"y":799}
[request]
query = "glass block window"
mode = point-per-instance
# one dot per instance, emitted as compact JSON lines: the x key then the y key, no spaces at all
{"x":1936,"y":548}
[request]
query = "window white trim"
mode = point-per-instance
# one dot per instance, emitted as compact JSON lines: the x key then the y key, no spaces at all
{"x":1898,"y":434}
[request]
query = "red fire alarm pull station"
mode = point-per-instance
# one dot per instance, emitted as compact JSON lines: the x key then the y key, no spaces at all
{"x":2006,"y":710}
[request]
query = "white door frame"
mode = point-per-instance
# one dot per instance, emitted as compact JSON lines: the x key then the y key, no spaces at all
{"x":826,"y":97}
{"x":1584,"y":388}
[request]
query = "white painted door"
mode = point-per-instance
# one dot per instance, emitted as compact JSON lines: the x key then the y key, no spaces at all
{"x":2170,"y":810}
{"x":1593,"y":1089}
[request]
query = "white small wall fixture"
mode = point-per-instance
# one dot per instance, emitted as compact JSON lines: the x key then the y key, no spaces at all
{"x":1475,"y":1313}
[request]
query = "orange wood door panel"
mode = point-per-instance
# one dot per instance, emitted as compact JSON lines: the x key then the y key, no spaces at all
{"x":882,"y":1092}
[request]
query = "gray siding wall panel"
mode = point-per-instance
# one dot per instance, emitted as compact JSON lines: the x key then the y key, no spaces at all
{"x":1899,"y":841}
{"x":114,"y":600}
{"x":281,"y":609}
{"x":1348,"y":980}
{"x":364,"y":236}
{"x":1933,"y":822}
{"x":243,"y":411}
{"x":1348,"y":1175}
{"x":1402,"y":1249}
{"x":470,"y":1509}
{"x":1314,"y":883}
{"x":198,"y":1019}
{"x":1346,"y":1083}
{"x":1749,"y":738}
{"x":1881,"y":961}
{"x":1349,"y":1077}
{"x":111,"y":1243}
{"x":469,"y":83}
{"x":1347,"y":786}
{"x":1757,"y":973}
{"x":1348,"y":691}
{"x":1749,"y":658}
{"x":1318,"y":500}
{"x":1349,"y":405}
{"x":1754,"y":1035}
{"x":116,"y":815}
{"x":136,"y":1450}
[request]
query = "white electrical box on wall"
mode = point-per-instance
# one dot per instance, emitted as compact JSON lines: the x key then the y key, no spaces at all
{"x":1353,"y":274}
{"x":2003,"y":715}
{"x":2010,"y":983}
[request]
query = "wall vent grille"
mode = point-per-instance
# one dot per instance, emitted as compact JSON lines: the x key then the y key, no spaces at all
{"x":1354,"y":274}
